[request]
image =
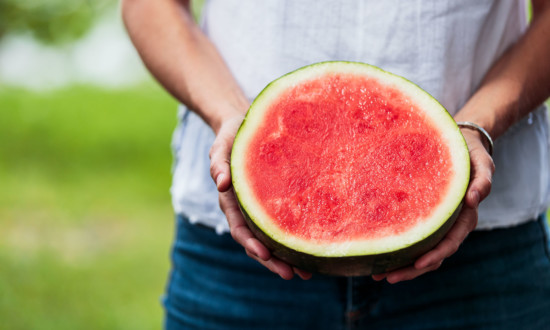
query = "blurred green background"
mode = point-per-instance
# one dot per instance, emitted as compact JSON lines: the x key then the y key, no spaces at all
{"x":85,"y":219}
{"x":85,"y":216}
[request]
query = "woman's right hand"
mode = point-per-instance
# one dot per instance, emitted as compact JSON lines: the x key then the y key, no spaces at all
{"x":220,"y":171}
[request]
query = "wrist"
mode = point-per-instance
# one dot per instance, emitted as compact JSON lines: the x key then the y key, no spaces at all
{"x":472,"y":129}
{"x":228,"y":114}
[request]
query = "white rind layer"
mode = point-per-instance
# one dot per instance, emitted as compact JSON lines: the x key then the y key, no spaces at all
{"x":450,"y":134}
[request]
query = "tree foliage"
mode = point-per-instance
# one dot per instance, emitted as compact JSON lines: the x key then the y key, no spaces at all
{"x":50,"y":21}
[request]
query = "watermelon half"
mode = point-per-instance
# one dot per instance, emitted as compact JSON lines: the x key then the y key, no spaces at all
{"x":345,"y":169}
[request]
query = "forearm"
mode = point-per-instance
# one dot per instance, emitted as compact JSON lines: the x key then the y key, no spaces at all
{"x":182,"y":58}
{"x":517,"y":83}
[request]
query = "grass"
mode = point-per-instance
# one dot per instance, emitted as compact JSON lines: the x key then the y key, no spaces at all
{"x":85,"y":219}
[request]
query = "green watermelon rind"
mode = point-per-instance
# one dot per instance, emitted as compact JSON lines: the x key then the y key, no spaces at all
{"x":361,"y":262}
{"x":354,"y":265}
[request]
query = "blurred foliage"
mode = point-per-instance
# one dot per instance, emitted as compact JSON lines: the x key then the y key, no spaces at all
{"x":57,"y":21}
{"x":85,"y":216}
{"x":196,"y":8}
{"x":51,"y":21}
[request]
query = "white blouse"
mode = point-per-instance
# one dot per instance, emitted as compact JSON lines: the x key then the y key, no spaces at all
{"x":444,"y":46}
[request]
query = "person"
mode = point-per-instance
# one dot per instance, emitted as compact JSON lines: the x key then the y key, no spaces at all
{"x":478,"y":58}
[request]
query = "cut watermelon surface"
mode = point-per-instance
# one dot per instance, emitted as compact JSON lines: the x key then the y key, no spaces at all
{"x":346,"y":169}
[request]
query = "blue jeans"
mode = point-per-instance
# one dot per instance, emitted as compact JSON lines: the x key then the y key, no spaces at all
{"x":498,"y":279}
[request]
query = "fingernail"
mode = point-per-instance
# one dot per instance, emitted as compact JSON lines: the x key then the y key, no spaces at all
{"x":251,"y":253}
{"x":379,"y":277}
{"x":219,"y":180}
{"x":426,"y":266}
{"x":256,"y":251}
{"x":476,"y":198}
{"x":266,"y":258}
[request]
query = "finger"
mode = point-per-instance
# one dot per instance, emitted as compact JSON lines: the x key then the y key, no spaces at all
{"x":302,"y":273}
{"x":242,"y":235}
{"x":277,"y":266}
{"x":220,"y":168}
{"x":483,"y":168}
{"x":239,"y":229}
{"x":220,"y":153}
{"x":409,"y":273}
{"x":466,"y":223}
{"x":379,"y":277}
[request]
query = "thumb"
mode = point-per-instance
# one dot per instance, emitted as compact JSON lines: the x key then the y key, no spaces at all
{"x":220,"y":153}
{"x":220,"y":168}
{"x":483,"y":168}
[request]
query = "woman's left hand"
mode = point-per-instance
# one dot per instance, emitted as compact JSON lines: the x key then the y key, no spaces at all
{"x":482,"y":169}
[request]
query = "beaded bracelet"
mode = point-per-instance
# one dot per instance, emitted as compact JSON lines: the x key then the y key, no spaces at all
{"x":467,"y":124}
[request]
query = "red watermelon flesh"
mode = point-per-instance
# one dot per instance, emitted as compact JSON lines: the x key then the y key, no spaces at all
{"x":344,"y":157}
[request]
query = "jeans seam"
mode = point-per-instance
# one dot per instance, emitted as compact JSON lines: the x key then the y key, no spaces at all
{"x":349,"y":303}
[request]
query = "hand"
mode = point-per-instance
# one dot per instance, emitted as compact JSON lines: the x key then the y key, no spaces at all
{"x":482,"y":169}
{"x":221,"y":173}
